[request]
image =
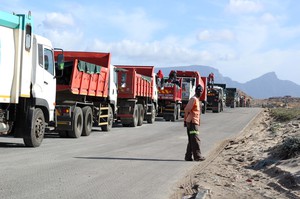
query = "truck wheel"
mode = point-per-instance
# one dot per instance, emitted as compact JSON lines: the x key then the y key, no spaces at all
{"x":233,"y":105}
{"x":34,"y":134}
{"x":141,"y":114}
{"x":204,"y":107}
{"x":178,"y":112}
{"x":135,"y":116}
{"x":110,"y":120}
{"x":219,"y":108}
{"x":166,"y":118}
{"x":77,"y":123}
{"x":174,"y":115}
{"x":87,"y":121}
{"x":151,"y":119}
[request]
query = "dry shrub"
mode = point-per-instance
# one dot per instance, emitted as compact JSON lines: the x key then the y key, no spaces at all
{"x":290,"y":148}
{"x":285,"y":114}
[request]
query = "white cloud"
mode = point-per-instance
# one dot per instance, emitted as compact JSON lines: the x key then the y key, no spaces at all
{"x":68,"y":40}
{"x":58,"y":21}
{"x":205,"y":35}
{"x":135,"y":24}
{"x":154,"y":53}
{"x":252,"y":38}
{"x":288,"y":33}
{"x":244,"y":6}
{"x":216,"y":35}
{"x":268,"y":18}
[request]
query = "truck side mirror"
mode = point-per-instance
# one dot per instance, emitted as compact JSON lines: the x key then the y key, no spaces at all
{"x":60,"y":62}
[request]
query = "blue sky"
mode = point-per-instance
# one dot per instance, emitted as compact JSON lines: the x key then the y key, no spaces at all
{"x":243,"y":39}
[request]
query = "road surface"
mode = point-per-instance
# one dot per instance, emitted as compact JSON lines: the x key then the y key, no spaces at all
{"x":141,"y":162}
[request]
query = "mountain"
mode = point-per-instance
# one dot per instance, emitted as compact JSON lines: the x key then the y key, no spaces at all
{"x":268,"y":85}
{"x":265,"y":86}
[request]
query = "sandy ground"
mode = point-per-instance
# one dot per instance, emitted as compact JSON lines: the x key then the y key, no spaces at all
{"x":250,"y":166}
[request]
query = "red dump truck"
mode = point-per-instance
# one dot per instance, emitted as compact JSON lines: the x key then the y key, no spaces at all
{"x":137,"y":95}
{"x":86,"y":94}
{"x":169,"y":98}
{"x":190,"y":79}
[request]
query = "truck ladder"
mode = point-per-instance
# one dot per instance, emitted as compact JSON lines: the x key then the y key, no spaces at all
{"x":103,"y":115}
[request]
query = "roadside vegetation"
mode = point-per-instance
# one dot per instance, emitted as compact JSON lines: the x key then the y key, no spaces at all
{"x":290,"y":148}
{"x":285,"y":114}
{"x":290,"y":145}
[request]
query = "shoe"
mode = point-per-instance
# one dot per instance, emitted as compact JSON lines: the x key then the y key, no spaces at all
{"x":201,"y":158}
{"x":188,"y":159}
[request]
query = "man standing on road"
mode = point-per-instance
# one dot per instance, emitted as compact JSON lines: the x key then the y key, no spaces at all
{"x":192,"y":122}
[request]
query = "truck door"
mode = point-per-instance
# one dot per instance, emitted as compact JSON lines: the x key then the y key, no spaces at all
{"x":49,"y":79}
{"x":45,"y":77}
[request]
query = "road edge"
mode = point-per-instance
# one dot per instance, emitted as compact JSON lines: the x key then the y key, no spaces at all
{"x":188,"y":185}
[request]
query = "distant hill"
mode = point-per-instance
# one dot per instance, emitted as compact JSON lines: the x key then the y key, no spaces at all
{"x":265,"y":86}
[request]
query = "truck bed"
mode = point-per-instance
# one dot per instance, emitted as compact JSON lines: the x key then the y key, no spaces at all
{"x":135,"y":81}
{"x":85,"y":73}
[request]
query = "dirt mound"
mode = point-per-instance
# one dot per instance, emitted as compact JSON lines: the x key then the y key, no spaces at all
{"x":257,"y":164}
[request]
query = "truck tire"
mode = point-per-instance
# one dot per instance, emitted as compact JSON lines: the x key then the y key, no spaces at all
{"x":110,"y":120}
{"x":219,"y":108}
{"x":178,"y":112}
{"x":34,"y":133}
{"x":87,"y":121}
{"x":174,"y":115}
{"x":135,"y":116}
{"x":204,"y":107}
{"x":77,"y":123}
{"x":140,"y":115}
{"x":151,"y":119}
{"x":232,"y":105}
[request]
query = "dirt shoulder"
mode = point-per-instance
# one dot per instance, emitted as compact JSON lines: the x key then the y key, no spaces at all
{"x":250,"y":166}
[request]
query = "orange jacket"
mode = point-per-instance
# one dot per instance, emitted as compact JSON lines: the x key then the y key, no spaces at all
{"x":192,"y":111}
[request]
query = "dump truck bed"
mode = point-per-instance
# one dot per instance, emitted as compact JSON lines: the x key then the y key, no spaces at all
{"x":135,"y":81}
{"x":85,"y":73}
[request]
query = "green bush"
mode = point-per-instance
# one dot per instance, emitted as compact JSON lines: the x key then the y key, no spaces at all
{"x":274,"y":127}
{"x":285,"y":114}
{"x":289,"y":148}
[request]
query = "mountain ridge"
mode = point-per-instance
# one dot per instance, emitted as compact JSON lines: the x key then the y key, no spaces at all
{"x":265,"y":86}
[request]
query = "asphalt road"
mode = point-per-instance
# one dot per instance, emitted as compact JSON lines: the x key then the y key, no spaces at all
{"x":141,"y":162}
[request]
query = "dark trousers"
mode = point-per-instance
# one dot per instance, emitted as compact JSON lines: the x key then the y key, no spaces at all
{"x":193,"y":146}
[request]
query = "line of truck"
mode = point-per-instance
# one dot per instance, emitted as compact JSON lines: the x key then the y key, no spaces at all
{"x":220,"y":96}
{"x":70,"y":91}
